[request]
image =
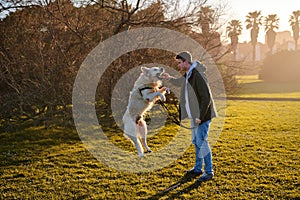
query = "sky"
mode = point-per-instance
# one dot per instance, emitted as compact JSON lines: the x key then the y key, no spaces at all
{"x":238,"y":9}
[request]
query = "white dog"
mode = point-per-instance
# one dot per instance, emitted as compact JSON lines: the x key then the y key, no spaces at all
{"x":146,"y":91}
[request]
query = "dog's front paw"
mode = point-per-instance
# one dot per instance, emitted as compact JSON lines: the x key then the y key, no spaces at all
{"x":168,"y":91}
{"x":163,"y":89}
{"x":162,"y":97}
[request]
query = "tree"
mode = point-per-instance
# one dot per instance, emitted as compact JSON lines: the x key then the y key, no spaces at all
{"x":40,"y":53}
{"x":234,"y":29}
{"x":12,"y":5}
{"x":206,"y":19}
{"x":209,"y":38}
{"x":253,"y":20}
{"x":282,"y":66}
{"x":294,"y":22}
{"x":271,"y":23}
{"x":43,"y":45}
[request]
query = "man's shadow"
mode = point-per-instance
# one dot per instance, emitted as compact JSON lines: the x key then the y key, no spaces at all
{"x":186,"y":178}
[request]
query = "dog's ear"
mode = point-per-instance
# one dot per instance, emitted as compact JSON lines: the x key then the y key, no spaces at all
{"x":145,"y":70}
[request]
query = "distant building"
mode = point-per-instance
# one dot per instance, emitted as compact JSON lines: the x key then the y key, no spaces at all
{"x":284,"y":41}
{"x":245,"y":51}
{"x":284,"y":37}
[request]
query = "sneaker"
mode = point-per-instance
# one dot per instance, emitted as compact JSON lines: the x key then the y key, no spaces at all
{"x":206,"y":177}
{"x":193,"y":172}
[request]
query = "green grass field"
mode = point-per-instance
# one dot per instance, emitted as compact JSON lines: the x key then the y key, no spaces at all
{"x":250,"y":86}
{"x":255,"y":157}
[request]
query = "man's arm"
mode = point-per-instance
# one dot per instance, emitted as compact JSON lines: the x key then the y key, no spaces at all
{"x":175,"y":81}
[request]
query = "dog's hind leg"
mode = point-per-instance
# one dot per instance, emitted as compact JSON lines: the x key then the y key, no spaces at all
{"x":143,"y":131}
{"x":144,"y":142}
{"x":137,"y":145}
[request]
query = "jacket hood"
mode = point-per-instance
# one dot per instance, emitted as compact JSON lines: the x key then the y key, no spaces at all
{"x":200,"y":67}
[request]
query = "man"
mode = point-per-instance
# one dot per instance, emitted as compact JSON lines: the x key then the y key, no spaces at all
{"x":197,"y":104}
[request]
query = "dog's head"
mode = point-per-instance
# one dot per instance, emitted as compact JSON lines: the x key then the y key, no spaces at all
{"x":153,"y":73}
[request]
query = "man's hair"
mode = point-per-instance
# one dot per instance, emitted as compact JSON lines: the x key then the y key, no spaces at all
{"x":179,"y":57}
{"x":185,"y":55}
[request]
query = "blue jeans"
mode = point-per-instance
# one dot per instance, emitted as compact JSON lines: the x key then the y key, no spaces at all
{"x":202,"y":148}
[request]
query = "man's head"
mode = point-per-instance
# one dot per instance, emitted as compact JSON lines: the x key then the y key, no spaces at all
{"x":184,"y":60}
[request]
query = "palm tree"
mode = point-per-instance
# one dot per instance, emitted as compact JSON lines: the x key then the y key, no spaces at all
{"x":253,"y":20}
{"x":234,"y":29}
{"x":206,"y":15}
{"x":294,"y":22}
{"x":271,"y":23}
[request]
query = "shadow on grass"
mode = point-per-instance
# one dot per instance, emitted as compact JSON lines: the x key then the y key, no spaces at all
{"x":18,"y":147}
{"x":269,"y":87}
{"x":40,"y":135}
{"x":183,"y":180}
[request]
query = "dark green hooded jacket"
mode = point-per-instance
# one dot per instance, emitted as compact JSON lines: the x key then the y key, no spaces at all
{"x":199,"y":94}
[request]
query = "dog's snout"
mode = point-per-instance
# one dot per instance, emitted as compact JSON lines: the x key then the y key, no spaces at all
{"x":162,"y":69}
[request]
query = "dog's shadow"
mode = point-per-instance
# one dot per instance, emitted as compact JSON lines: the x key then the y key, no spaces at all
{"x":186,"y":178}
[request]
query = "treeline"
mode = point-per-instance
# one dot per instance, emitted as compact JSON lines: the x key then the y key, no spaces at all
{"x":281,"y":67}
{"x":43,"y":46}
